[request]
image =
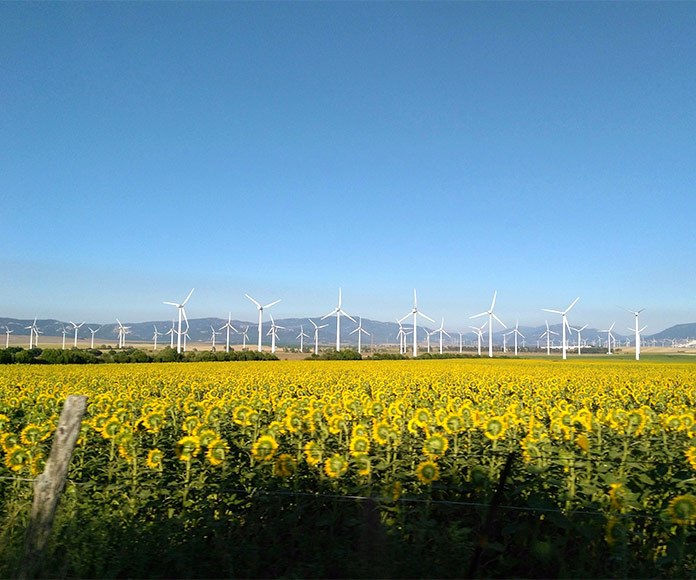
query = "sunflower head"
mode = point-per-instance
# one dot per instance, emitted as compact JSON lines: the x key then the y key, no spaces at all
{"x":16,"y":458}
{"x":206,"y":435}
{"x":335,"y":466}
{"x":453,"y":423}
{"x":682,"y":509}
{"x":218,"y":450}
{"x":284,"y":465}
{"x":313,"y":453}
{"x":494,"y":428}
{"x":153,"y":421}
{"x":691,"y":456}
{"x":435,"y":446}
{"x":31,"y":434}
{"x":359,"y":445}
{"x":154,"y":459}
{"x":264,"y":448}
{"x":363,"y":463}
{"x":187,"y":448}
{"x":111,"y":428}
{"x":427,"y":472}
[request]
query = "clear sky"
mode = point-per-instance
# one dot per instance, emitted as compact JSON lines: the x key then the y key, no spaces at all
{"x":544,"y":150}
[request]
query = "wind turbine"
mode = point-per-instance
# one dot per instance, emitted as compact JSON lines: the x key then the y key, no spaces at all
{"x":360,"y":330}
{"x":212,"y":336}
{"x":442,"y":331}
{"x":260,"y":309}
{"x":638,"y":331}
{"x":94,"y":331}
{"x":338,"y":311}
{"x":548,"y":334}
{"x":302,"y":336}
{"x":401,"y":335}
{"x":427,"y":337}
{"x":579,"y":330}
{"x":186,"y":335}
{"x":316,"y":334}
{"x":33,"y":329}
{"x":479,"y":332}
{"x":7,"y":338}
{"x":171,"y":332}
{"x":228,"y":326}
{"x":273,"y":331}
{"x":76,"y":326}
{"x":181,"y":312}
{"x":516,"y":332}
{"x":415,"y":313}
{"x":610,"y":336}
{"x":460,"y":341}
{"x":564,"y":322}
{"x":491,"y":316}
{"x":154,"y":336}
{"x":245,"y":335}
{"x":63,"y":331}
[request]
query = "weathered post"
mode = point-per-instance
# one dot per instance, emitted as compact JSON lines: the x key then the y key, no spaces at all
{"x":49,"y":485}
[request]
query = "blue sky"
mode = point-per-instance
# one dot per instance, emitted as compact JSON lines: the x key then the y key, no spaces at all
{"x":543,"y":150}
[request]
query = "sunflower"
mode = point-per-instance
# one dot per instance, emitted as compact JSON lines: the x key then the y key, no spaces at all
{"x":682,"y":509}
{"x":153,"y":421}
{"x":190,"y":424}
{"x":8,"y":441}
{"x":293,"y":422}
{"x":240,"y":413}
{"x":16,"y":458}
{"x":363,"y":463}
{"x":427,"y":472}
{"x":264,"y":448}
{"x":312,"y":453}
{"x":617,"y":495}
{"x":4,"y":422}
{"x":583,"y":442}
{"x":38,"y":463}
{"x":691,"y":456}
{"x":284,"y":465}
{"x":31,"y":434}
{"x":453,"y":423}
{"x":360,"y":430}
{"x":335,"y":466}
{"x":187,"y":448}
{"x":381,"y":432}
{"x":421,"y":417}
{"x":435,"y":446}
{"x":337,"y":424}
{"x":154,"y":459}
{"x":494,"y":428}
{"x":111,"y":428}
{"x":218,"y":450}
{"x":206,"y":435}
{"x":359,"y":445}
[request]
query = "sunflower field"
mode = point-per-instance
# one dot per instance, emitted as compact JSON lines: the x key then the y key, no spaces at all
{"x":433,"y":468}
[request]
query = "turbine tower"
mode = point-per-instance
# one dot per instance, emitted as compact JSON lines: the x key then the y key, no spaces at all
{"x":93,"y":331}
{"x":260,"y":309}
{"x":76,"y":326}
{"x":182,"y":312}
{"x":33,"y":331}
{"x":579,"y":330}
{"x":338,"y":311}
{"x":171,"y":332}
{"x":316,"y":334}
{"x":245,"y":335}
{"x":302,"y":336}
{"x":548,"y":334}
{"x":564,"y":323}
{"x":7,"y":338}
{"x":63,"y":331}
{"x":360,"y":330}
{"x":154,"y":336}
{"x":491,"y":316}
{"x":516,"y":332}
{"x":228,"y":326}
{"x":442,"y":331}
{"x":415,"y":313}
{"x":638,"y":331}
{"x":273,"y":331}
{"x":479,"y":332}
{"x":610,"y":336}
{"x":212,"y":337}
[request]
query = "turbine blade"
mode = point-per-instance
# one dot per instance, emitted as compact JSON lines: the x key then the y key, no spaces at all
{"x":477,"y":315}
{"x":554,"y":311}
{"x":426,"y":316}
{"x":573,"y":304}
{"x":189,"y":296}
{"x":272,"y":304}
{"x":495,"y":294}
{"x":254,"y":301}
{"x":170,"y":304}
{"x":498,"y":319}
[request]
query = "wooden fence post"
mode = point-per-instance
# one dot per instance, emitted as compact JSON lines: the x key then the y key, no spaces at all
{"x":49,"y":485}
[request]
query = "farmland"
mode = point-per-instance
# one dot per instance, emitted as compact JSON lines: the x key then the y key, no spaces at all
{"x":440,"y":468}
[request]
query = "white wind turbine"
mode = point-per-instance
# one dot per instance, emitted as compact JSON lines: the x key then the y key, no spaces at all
{"x":401,"y":335}
{"x":32,"y":329}
{"x":415,"y":313}
{"x":548,"y":334}
{"x":122,"y":331}
{"x":610,"y":336}
{"x":638,"y":331}
{"x":338,"y":311}
{"x":442,"y":331}
{"x":273,"y":331}
{"x":479,"y":332}
{"x":516,"y":332}
{"x":7,"y":338}
{"x":579,"y":330}
{"x":316,"y":334}
{"x":564,"y":323}
{"x":491,"y":316}
{"x":63,"y":331}
{"x":212,"y":336}
{"x":302,"y":336}
{"x":427,"y":338}
{"x":228,"y":326}
{"x":245,"y":335}
{"x":260,"y":309}
{"x":180,"y":307}
{"x":171,"y":332}
{"x":93,"y":331}
{"x":154,"y":336}
{"x":360,"y":330}
{"x":76,"y":326}
{"x":460,"y":341}
{"x":186,"y":335}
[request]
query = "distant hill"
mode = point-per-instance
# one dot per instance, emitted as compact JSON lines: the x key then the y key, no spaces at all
{"x":676,"y":332}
